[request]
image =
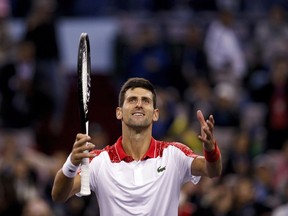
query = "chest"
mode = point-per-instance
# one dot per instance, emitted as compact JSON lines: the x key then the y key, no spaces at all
{"x":150,"y":172}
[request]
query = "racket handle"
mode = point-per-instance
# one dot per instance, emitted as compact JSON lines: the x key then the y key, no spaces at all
{"x":85,"y":184}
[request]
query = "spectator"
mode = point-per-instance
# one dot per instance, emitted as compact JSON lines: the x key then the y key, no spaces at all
{"x":239,"y":158}
{"x":198,"y":200}
{"x":167,"y":103}
{"x":16,"y":88}
{"x":244,"y":199}
{"x":194,"y":59}
{"x":271,"y":35}
{"x":49,"y":85}
{"x":18,"y":179}
{"x":274,"y":95}
{"x":222,"y":200}
{"x":226,"y":105}
{"x":148,"y":57}
{"x":225,"y":56}
{"x":199,"y":95}
{"x":263,"y":176}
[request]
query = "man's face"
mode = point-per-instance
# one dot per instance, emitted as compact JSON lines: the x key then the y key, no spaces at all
{"x":137,"y":110}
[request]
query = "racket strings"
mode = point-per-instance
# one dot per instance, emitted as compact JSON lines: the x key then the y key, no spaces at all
{"x":86,"y":80}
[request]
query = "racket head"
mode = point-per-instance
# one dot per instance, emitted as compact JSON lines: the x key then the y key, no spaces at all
{"x":84,"y":79}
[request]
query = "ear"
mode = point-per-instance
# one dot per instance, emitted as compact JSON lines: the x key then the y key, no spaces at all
{"x":156,"y":115}
{"x":119,"y":113}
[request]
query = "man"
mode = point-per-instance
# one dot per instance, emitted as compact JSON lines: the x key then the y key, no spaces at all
{"x":139,"y":175}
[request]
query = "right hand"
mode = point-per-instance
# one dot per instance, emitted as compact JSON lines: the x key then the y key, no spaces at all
{"x":81,"y":144}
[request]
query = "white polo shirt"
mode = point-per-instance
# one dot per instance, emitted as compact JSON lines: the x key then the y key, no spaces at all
{"x":150,"y":186}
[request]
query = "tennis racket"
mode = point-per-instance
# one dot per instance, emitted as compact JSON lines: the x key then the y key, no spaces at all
{"x":84,"y":85}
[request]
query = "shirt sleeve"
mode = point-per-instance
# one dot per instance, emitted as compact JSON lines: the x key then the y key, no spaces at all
{"x":185,"y":157}
{"x":188,"y":176}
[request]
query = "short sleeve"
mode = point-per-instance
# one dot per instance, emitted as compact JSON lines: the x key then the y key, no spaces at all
{"x":185,"y":157}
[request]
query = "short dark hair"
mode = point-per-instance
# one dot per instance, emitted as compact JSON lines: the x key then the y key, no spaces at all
{"x":137,"y":82}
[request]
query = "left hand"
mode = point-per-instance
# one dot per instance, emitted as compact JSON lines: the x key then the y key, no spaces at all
{"x":207,"y":128}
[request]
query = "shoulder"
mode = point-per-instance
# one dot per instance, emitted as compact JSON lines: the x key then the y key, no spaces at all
{"x":174,"y":146}
{"x":110,"y":150}
{"x":97,"y":152}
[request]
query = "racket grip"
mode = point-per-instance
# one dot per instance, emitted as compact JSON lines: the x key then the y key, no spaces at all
{"x":85,"y":184}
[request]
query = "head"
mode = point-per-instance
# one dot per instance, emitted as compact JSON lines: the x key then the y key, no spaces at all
{"x":137,"y":103}
{"x":136,"y":82}
{"x":226,"y":17}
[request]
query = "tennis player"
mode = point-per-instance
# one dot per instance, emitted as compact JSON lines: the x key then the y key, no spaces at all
{"x":139,"y":175}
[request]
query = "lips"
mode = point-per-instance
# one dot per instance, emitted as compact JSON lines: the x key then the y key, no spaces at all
{"x":138,"y":114}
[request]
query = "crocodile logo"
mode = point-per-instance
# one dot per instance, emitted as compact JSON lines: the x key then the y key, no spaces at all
{"x":161,"y":169}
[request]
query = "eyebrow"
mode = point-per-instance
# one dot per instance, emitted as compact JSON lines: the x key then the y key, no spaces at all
{"x":142,"y":97}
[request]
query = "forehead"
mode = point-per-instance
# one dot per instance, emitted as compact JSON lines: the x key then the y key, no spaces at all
{"x":138,"y":92}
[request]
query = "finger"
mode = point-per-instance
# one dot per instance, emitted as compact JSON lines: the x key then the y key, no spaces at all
{"x":201,"y":118}
{"x":84,"y":147}
{"x":82,"y":152}
{"x":211,"y":118}
{"x":82,"y":155}
{"x":81,"y":140}
{"x":87,"y":147}
{"x":202,"y":139}
{"x":210,"y":125}
{"x":80,"y":136}
{"x":208,"y":132}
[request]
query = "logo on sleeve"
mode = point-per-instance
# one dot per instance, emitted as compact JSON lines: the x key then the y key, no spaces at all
{"x":161,"y":169}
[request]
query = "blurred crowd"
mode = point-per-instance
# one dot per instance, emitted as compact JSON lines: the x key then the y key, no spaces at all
{"x":227,"y":58}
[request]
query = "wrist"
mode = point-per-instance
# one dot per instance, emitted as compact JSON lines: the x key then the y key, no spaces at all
{"x":214,"y":155}
{"x":69,"y":169}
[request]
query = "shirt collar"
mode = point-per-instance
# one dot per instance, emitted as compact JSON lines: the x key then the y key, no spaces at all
{"x":123,"y":156}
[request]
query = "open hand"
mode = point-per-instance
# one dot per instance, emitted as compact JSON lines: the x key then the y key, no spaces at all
{"x":207,"y":128}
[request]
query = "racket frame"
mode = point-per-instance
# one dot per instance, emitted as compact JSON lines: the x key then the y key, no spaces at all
{"x":84,"y":86}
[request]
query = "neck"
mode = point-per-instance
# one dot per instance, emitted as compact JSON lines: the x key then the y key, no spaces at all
{"x":136,"y":144}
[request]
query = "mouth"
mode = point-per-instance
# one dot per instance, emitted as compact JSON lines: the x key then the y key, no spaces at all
{"x":138,"y":114}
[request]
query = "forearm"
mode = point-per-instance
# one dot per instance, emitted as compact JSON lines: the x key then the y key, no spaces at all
{"x":213,"y":161}
{"x":62,"y":187}
{"x":66,"y":181}
{"x":214,"y":169}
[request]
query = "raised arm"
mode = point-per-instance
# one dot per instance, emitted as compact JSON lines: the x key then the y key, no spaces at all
{"x":67,"y":182}
{"x":211,"y":164}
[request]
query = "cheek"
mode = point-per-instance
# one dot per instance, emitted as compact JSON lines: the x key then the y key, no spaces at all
{"x":124,"y":114}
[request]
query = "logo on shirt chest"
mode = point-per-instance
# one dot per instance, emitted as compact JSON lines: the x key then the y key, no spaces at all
{"x":161,"y":169}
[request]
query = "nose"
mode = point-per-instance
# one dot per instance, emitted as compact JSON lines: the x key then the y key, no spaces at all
{"x":139,"y":103}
